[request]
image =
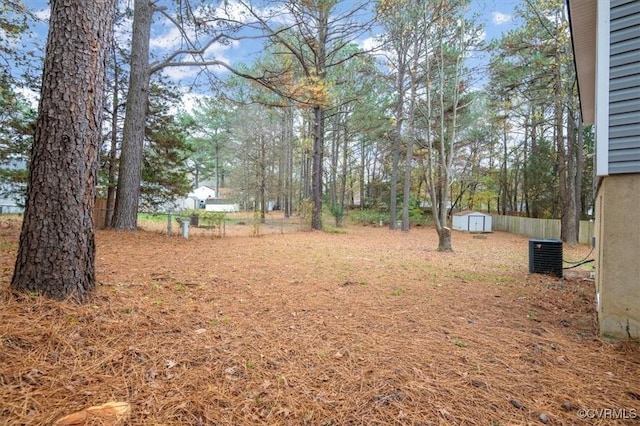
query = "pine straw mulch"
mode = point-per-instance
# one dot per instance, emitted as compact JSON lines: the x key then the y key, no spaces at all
{"x":371,"y":327}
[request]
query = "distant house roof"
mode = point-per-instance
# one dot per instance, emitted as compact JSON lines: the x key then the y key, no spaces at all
{"x":583,"y":23}
{"x":202,"y":193}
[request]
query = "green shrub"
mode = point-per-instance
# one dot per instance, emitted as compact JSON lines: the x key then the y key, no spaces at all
{"x":417,"y":217}
{"x":212,"y":218}
{"x":369,"y":217}
{"x":337,"y":211}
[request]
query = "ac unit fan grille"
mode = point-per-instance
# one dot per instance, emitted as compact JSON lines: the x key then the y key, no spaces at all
{"x":545,"y":257}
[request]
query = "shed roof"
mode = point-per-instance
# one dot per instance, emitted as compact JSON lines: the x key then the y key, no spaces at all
{"x":469,"y":213}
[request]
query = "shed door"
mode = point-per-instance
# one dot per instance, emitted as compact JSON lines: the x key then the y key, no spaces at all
{"x":476,"y":223}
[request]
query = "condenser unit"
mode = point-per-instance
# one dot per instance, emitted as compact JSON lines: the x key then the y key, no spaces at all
{"x":545,"y":257}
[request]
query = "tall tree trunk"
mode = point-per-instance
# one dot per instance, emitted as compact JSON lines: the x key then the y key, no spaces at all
{"x":217,"y":167}
{"x":130,"y":171}
{"x":320,"y":54}
{"x":343,"y":175}
{"x":262,"y":178}
{"x":448,"y":135}
{"x":406,"y":189}
{"x":397,"y":142}
{"x":570,"y":212}
{"x":196,"y":176}
{"x":56,"y":255}
{"x":335,"y":152}
{"x":113,"y":160}
{"x":289,"y":175}
{"x":536,"y":211}
{"x":504,"y":170}
{"x":395,"y":165}
{"x":316,"y":172}
{"x":525,"y":178}
{"x":565,"y":180}
{"x":305,"y":173}
{"x":361,"y":174}
{"x":579,"y":171}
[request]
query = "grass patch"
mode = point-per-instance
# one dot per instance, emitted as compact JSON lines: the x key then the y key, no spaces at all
{"x":333,"y":230}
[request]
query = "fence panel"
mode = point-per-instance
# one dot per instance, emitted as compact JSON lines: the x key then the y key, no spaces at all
{"x":540,"y":228}
{"x":586,"y":232}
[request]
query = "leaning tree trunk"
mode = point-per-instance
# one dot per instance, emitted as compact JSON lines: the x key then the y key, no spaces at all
{"x":130,"y":171}
{"x":57,"y":246}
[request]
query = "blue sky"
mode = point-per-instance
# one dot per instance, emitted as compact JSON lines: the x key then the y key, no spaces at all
{"x":495,"y":15}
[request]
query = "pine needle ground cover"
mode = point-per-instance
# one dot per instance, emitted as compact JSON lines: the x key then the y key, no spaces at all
{"x":367,"y":327}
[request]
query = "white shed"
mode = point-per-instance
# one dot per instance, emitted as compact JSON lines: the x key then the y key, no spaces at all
{"x":221,"y":205}
{"x":472,"y":221}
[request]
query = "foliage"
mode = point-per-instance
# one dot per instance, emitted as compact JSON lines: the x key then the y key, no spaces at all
{"x":542,"y":182}
{"x":337,"y":211}
{"x":417,"y":215}
{"x":533,"y":87}
{"x":17,"y":117}
{"x":334,"y":229}
{"x":305,"y":212}
{"x":369,"y":217}
{"x":212,"y":219}
{"x":211,"y":152}
{"x":14,"y":21}
{"x":17,"y":120}
{"x":258,"y":141}
{"x":164,"y":175}
{"x":494,"y":149}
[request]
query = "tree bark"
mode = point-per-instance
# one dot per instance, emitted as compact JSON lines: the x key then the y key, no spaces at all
{"x":444,"y":239}
{"x":113,"y":160}
{"x":397,"y":141}
{"x":343,"y":175}
{"x":316,"y":170}
{"x":57,"y":245}
{"x":130,"y":170}
{"x":570,"y":222}
{"x":406,"y":190}
{"x":320,"y":53}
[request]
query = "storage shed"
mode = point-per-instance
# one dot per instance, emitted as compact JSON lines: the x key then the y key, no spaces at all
{"x":221,"y":205}
{"x":472,"y":221}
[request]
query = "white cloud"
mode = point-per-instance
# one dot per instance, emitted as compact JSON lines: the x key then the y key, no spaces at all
{"x":500,"y":18}
{"x":215,"y":52}
{"x":191,"y":100}
{"x":188,"y":72}
{"x":43,"y":14}
{"x":166,"y":40}
{"x":31,"y":96}
{"x":370,"y":43}
{"x":234,"y":11}
{"x":171,"y":38}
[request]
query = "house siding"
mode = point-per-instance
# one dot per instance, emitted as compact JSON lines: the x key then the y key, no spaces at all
{"x":624,"y":87}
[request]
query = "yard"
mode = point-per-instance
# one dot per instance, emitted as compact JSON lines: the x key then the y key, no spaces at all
{"x":367,"y":327}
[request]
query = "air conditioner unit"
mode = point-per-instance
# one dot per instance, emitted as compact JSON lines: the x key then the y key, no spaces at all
{"x":545,"y":257}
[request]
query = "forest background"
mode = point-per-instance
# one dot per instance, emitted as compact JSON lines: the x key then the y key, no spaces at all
{"x":405,"y":110}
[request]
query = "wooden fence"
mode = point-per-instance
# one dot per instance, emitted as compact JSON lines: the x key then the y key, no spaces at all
{"x":539,"y":228}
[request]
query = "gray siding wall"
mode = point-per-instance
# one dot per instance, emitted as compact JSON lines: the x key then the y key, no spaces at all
{"x":624,"y":89}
